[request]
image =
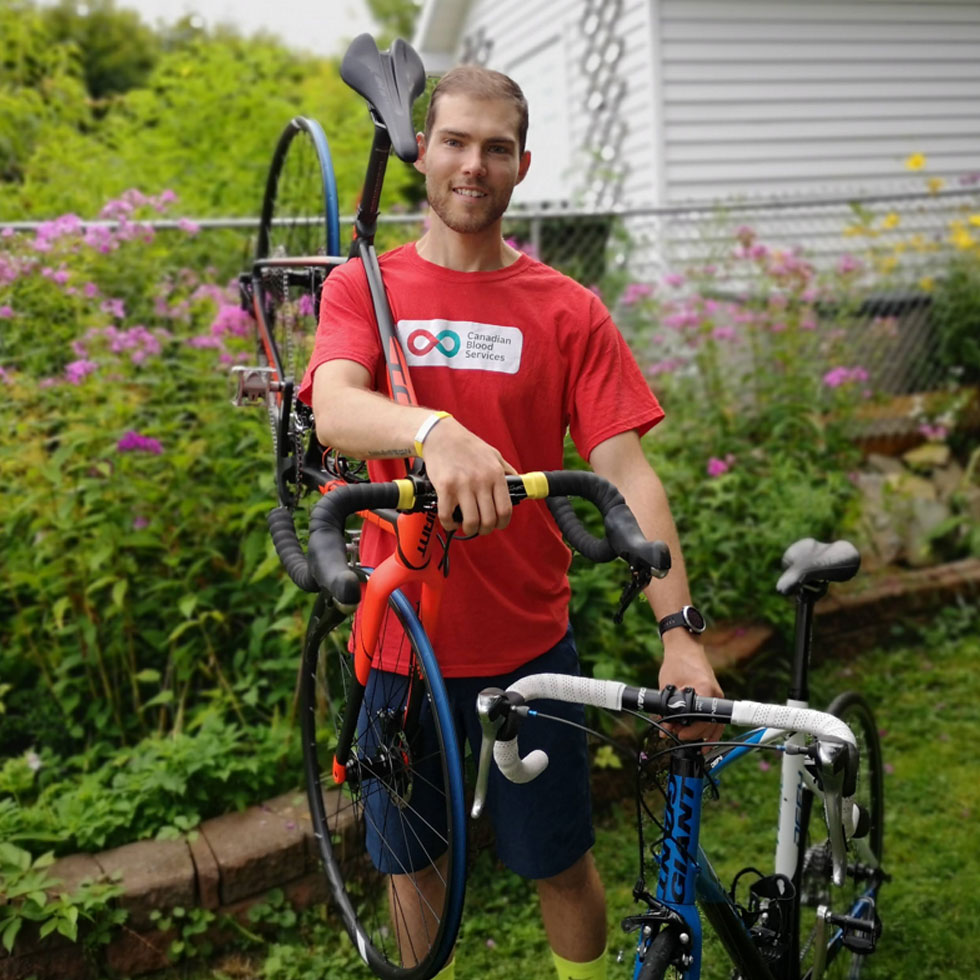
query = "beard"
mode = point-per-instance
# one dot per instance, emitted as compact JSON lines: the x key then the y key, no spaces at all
{"x":467,"y":216}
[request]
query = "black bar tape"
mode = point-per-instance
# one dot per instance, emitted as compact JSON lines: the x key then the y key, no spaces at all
{"x":328,"y":545}
{"x":289,"y":550}
{"x":576,"y":533}
{"x":622,"y":531}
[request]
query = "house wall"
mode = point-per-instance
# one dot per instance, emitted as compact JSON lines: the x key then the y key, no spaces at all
{"x":781,"y":96}
{"x":722,"y":99}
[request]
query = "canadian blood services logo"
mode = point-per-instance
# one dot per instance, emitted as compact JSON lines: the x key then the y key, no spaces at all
{"x":461,"y":345}
{"x":421,"y":341}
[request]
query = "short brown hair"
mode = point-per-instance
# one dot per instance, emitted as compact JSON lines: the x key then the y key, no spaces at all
{"x":479,"y":83}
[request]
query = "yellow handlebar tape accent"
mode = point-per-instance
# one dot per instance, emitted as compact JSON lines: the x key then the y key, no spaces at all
{"x":425,"y":428}
{"x":535,"y":485}
{"x":406,"y":494}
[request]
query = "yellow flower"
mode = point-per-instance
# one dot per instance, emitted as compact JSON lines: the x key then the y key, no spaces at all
{"x":960,"y":237}
{"x":926,"y":284}
{"x":887,"y":263}
{"x":974,"y":220}
{"x":891,"y":220}
{"x":916,"y":161}
{"x":935,"y":184}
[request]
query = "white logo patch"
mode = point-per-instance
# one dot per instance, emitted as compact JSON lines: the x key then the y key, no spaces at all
{"x":461,"y":344}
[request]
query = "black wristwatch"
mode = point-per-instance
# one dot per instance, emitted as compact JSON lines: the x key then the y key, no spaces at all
{"x":689,"y":617}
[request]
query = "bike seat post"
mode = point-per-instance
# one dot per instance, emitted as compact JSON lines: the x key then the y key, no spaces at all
{"x":806,"y":597}
{"x":366,"y":219}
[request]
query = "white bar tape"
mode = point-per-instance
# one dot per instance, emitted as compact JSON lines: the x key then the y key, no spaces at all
{"x":557,"y":687}
{"x":755,"y":714}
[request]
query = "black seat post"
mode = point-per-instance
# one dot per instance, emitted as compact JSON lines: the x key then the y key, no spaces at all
{"x":806,"y":598}
{"x":366,"y":219}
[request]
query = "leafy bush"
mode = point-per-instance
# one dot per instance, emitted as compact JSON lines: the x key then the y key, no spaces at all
{"x":141,"y":595}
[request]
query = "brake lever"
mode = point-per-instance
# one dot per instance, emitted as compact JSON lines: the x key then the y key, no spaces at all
{"x":639,"y":579}
{"x":831,"y":769}
{"x":491,"y":721}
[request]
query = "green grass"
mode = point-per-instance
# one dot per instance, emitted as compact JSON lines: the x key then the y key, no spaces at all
{"x":925,"y":690}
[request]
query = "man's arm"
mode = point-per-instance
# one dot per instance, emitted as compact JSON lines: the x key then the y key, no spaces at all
{"x":621,"y":461}
{"x":466,"y":471}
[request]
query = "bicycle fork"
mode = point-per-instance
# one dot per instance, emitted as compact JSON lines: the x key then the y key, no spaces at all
{"x":674,"y":906}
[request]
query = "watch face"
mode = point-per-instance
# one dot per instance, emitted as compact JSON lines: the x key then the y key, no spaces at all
{"x":694,"y":619}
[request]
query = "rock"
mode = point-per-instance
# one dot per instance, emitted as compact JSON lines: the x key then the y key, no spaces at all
{"x":927,"y":457}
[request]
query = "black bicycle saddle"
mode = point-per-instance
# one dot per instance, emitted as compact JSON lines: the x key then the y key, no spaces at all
{"x":391,"y":81}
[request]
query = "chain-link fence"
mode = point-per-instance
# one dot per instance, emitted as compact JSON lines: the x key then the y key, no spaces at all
{"x":875,"y":266}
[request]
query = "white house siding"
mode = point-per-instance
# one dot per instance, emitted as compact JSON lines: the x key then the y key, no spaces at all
{"x":779,"y":97}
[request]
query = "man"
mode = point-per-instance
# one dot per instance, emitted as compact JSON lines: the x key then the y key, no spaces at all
{"x":516,"y":354}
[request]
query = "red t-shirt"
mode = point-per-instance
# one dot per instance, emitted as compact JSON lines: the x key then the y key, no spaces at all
{"x":519,"y":356}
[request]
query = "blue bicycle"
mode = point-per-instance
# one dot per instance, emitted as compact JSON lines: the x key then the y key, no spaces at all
{"x":816,"y":914}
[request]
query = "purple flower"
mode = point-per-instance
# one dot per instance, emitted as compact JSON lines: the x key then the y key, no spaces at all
{"x":674,"y":279}
{"x":90,"y":290}
{"x":848,"y":264}
{"x":77,"y":371}
{"x":134,"y":442}
{"x":114,"y":307}
{"x":635,"y":292}
{"x":186,"y":225}
{"x":933,"y":432}
{"x":205,"y":342}
{"x":304,"y":306}
{"x":6,"y":312}
{"x":716,"y":466}
{"x":139,"y":522}
{"x":232,"y":319}
{"x":4,"y":375}
{"x":838,"y":376}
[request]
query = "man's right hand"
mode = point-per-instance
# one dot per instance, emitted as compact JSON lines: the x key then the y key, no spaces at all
{"x":468,"y":474}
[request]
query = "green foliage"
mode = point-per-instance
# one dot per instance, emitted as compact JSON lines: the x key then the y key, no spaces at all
{"x":191,"y":926}
{"x":161,"y":787}
{"x":204,"y":125}
{"x":116,"y":49}
{"x":956,"y":315}
{"x":141,"y":601}
{"x":30,"y":899}
{"x":396,"y":18}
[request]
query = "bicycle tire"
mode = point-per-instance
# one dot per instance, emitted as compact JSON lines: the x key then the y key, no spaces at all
{"x":813,"y":873}
{"x":299,"y":218}
{"x":387,"y":771}
{"x":659,"y":956}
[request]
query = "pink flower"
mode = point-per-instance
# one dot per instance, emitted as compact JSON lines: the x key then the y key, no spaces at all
{"x":838,"y":376}
{"x":232,"y":319}
{"x":139,"y":522}
{"x":848,"y":264}
{"x":114,"y":307}
{"x":4,"y":375}
{"x":90,"y":290}
{"x":635,"y":292}
{"x":6,"y":312}
{"x":188,"y":226}
{"x":716,"y":467}
{"x":134,"y":442}
{"x":674,"y":279}
{"x":77,"y":371}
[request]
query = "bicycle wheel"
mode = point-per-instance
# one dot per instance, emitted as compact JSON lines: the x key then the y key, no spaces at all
{"x":299,"y":219}
{"x":859,"y":894}
{"x":657,"y":962}
{"x":392,"y":836}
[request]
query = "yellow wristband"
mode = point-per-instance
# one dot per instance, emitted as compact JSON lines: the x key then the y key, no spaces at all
{"x":425,"y":428}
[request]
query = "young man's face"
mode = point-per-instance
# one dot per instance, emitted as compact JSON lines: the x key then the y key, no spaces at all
{"x":472,"y":161}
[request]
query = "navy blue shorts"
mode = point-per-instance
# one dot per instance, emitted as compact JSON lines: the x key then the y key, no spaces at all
{"x":541,"y":828}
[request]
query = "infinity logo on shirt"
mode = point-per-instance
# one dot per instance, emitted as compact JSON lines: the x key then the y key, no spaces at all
{"x":421,"y":341}
{"x":462,"y":345}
